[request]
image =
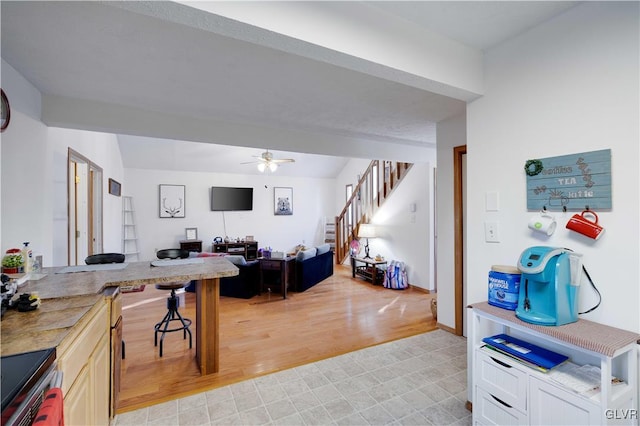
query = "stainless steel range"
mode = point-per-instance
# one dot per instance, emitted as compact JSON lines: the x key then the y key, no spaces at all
{"x":25,"y":379}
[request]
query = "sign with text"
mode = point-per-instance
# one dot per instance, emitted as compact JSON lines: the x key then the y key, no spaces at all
{"x":571,"y":182}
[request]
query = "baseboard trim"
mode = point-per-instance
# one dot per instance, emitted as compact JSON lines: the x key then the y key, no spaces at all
{"x":421,"y":289}
{"x":445,"y":328}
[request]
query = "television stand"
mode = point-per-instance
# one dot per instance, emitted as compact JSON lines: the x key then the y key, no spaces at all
{"x":248,"y":249}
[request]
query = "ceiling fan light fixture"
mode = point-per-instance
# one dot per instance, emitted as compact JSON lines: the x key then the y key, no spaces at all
{"x":273,"y":167}
{"x":261,"y":167}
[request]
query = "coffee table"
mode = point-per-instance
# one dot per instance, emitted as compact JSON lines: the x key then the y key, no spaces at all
{"x":369,"y":271}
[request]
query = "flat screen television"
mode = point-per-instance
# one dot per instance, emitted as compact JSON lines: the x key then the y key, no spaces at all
{"x":231,"y":199}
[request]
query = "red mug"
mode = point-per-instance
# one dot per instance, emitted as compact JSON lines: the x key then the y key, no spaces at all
{"x":581,"y":224}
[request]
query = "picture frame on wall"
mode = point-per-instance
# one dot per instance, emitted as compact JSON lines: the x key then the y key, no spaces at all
{"x":283,"y":201}
{"x":114,"y":187}
{"x":191,"y":233}
{"x":171,"y":201}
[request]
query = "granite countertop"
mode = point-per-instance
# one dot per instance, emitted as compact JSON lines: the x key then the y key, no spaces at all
{"x":66,"y":298}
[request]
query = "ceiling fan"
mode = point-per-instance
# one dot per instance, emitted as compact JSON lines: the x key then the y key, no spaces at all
{"x":267,"y":162}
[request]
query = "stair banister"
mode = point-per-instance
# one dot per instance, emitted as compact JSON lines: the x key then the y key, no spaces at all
{"x":373,"y":188}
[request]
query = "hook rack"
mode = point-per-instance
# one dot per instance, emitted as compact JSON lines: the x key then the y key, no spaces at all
{"x":586,"y":207}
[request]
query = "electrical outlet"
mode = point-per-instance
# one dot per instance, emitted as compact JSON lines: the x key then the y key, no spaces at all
{"x":491,"y":232}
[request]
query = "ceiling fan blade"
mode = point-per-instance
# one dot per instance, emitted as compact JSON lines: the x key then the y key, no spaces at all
{"x":283,"y":160}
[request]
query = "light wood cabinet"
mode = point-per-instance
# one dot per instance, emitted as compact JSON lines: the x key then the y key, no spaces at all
{"x":77,"y":401}
{"x":83,"y":358}
{"x":504,"y":391}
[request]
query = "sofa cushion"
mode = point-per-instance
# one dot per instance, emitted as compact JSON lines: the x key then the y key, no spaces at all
{"x":236,"y":260}
{"x":322,"y":249}
{"x":306,"y":254}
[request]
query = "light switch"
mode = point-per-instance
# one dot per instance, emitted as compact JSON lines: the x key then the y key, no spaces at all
{"x":491,"y":232}
{"x":492,"y":201}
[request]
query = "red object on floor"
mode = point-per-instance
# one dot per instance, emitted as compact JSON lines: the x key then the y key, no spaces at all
{"x":51,"y":412}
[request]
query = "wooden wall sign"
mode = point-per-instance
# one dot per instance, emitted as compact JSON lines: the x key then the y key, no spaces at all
{"x":570,"y":182}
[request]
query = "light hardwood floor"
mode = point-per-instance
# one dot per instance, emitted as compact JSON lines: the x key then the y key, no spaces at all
{"x":263,"y":334}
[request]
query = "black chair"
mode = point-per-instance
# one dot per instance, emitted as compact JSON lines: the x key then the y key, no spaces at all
{"x":172,"y":303}
{"x":104,"y":258}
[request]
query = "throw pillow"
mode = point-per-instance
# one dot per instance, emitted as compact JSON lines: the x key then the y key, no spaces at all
{"x":306,"y":254}
{"x":236,"y":260}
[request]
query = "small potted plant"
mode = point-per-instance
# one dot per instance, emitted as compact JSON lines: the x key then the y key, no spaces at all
{"x":12,"y":262}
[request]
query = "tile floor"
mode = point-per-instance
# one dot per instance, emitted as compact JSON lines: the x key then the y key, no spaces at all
{"x":420,"y":380}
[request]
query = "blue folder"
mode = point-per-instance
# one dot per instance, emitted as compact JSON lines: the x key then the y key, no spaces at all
{"x":526,"y":351}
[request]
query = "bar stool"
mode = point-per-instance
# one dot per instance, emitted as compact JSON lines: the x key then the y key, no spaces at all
{"x":173,"y":302}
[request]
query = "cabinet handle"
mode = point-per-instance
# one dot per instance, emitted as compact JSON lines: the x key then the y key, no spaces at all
{"x":501,"y":401}
{"x":497,"y":361}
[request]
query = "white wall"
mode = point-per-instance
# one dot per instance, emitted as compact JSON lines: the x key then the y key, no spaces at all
{"x":405,"y":235}
{"x":102,"y":149}
{"x":567,"y":86}
{"x":34,"y":165}
{"x":450,"y":133}
{"x":26,"y":195}
{"x":312,"y":201}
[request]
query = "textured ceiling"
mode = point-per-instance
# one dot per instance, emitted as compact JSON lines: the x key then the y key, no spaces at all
{"x":142,"y":56}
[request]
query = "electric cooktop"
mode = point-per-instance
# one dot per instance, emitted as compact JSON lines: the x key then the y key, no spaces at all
{"x":20,"y":372}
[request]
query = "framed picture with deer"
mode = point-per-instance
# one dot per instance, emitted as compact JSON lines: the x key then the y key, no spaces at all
{"x":171,"y":201}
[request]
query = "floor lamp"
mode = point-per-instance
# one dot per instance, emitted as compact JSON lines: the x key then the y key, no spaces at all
{"x":366,"y":230}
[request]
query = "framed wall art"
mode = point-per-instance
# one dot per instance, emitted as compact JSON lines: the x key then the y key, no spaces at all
{"x":171,"y":201}
{"x":191,"y":233}
{"x":283,"y":201}
{"x":114,"y":187}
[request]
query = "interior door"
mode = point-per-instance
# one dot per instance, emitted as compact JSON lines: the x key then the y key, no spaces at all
{"x":84,"y":195}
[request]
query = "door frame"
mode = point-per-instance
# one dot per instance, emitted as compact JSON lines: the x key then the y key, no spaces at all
{"x":458,"y":218}
{"x":93,"y":209}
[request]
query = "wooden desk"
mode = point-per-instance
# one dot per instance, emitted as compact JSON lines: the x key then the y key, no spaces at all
{"x":49,"y":328}
{"x":369,"y":271}
{"x":284,"y":266}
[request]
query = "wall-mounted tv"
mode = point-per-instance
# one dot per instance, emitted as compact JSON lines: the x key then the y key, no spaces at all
{"x":231,"y":199}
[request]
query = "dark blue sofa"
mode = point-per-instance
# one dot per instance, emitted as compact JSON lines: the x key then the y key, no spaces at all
{"x":312,"y":269}
{"x":245,"y":285}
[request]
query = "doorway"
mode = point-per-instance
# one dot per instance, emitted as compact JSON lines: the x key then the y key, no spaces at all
{"x":84,"y":208}
{"x":459,"y":201}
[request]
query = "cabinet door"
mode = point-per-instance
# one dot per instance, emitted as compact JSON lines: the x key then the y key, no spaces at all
{"x":551,"y":405}
{"x":78,"y":402}
{"x":100,"y":386}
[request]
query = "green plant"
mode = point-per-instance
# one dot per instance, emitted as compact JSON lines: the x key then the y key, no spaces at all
{"x":12,"y":261}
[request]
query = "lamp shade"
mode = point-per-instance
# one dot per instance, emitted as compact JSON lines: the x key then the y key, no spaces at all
{"x":366,"y":230}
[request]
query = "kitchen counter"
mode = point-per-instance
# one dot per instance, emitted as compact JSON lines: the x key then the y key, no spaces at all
{"x":67,"y":297}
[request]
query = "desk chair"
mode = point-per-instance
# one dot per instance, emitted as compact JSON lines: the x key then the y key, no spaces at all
{"x":172,"y":303}
{"x":104,"y":258}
